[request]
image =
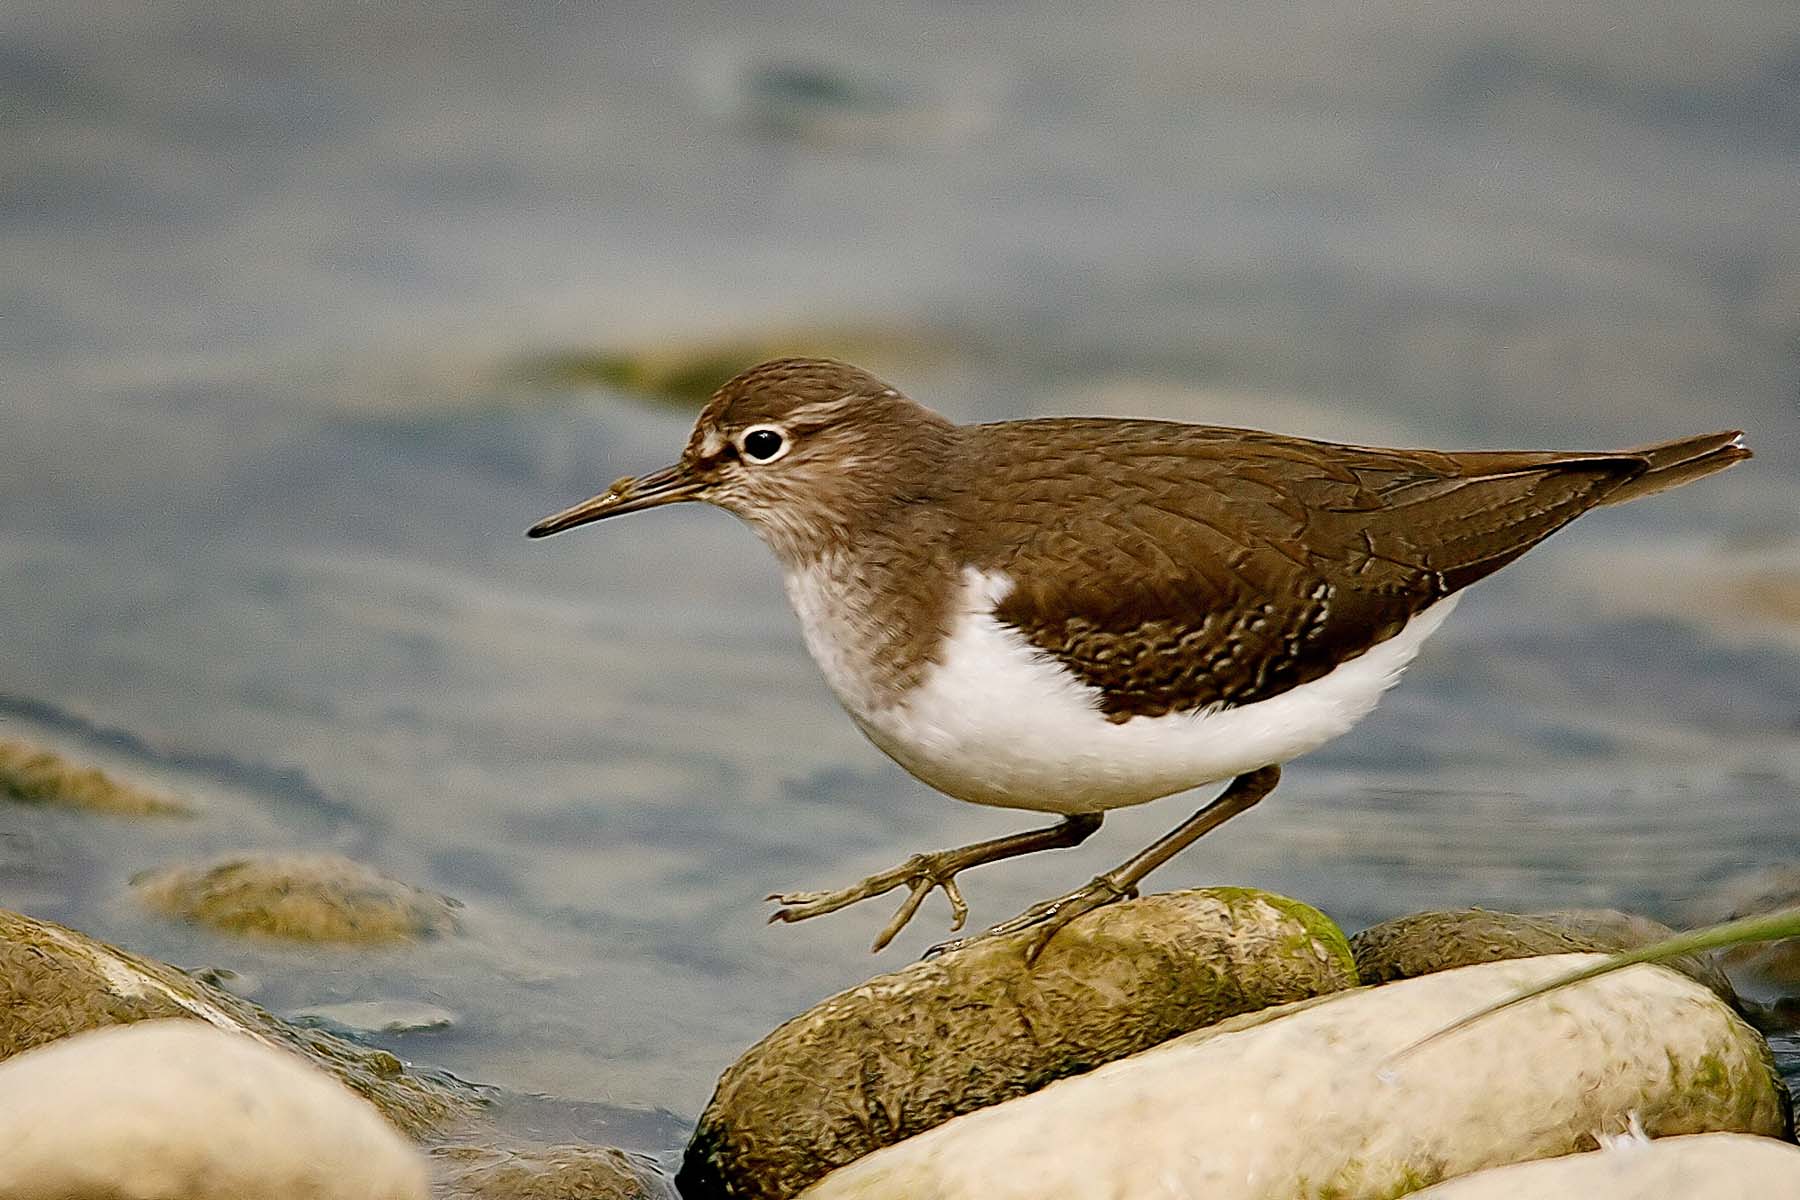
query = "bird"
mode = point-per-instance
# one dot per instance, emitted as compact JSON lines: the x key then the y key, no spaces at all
{"x":1072,"y":615}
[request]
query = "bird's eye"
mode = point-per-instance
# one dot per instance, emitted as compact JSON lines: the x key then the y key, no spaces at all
{"x":763,"y":444}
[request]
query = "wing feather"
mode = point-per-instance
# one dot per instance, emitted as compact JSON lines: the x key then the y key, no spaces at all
{"x":1189,"y":567}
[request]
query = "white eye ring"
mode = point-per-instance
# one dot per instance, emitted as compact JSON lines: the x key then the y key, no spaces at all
{"x":783,"y":443}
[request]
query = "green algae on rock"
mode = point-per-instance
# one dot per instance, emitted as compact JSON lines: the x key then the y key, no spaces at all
{"x":55,"y":982}
{"x":1315,"y":1099}
{"x":32,"y":775}
{"x":1701,"y":1166}
{"x":184,"y":1108}
{"x":299,"y":897}
{"x":484,"y":1172}
{"x":909,"y":1050}
{"x":1422,"y":943}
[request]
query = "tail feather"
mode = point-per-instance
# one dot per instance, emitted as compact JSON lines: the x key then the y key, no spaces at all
{"x":1681,"y":461}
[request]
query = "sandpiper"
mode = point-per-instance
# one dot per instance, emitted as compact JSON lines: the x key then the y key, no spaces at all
{"x":1073,"y":615}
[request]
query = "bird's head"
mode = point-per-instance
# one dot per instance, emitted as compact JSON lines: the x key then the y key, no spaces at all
{"x":800,"y":448}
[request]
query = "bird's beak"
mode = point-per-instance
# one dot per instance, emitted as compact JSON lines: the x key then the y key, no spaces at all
{"x":671,"y":485}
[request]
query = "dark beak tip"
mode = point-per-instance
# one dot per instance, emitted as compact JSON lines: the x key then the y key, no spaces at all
{"x":626,"y":495}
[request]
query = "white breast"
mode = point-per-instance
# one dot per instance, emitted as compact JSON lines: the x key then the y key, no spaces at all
{"x":997,"y":721}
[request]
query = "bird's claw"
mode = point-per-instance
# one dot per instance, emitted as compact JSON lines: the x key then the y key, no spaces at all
{"x":920,"y":874}
{"x":1046,"y":917}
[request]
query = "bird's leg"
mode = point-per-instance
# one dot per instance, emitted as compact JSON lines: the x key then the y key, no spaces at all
{"x":938,"y":869}
{"x":1121,"y":882}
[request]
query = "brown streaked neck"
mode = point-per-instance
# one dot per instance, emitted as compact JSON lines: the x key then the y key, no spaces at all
{"x":876,"y":582}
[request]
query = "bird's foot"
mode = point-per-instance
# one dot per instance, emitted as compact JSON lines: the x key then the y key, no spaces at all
{"x":1048,"y":916}
{"x":920,"y":874}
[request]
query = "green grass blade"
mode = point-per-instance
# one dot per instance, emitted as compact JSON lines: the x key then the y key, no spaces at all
{"x":1765,"y":928}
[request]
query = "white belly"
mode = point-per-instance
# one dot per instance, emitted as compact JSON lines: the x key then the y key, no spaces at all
{"x":999,"y":722}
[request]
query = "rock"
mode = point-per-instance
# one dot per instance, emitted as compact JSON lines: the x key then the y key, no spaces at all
{"x":1422,"y":943}
{"x":906,"y":1051}
{"x":55,"y":982}
{"x":238,"y":983}
{"x":182,"y":1109}
{"x":301,"y":897}
{"x":378,"y":1016}
{"x":32,"y":775}
{"x":684,"y":375}
{"x":827,"y":103}
{"x":1309,"y":1100}
{"x":1768,"y":970}
{"x":546,"y":1173}
{"x":1704,"y":1166}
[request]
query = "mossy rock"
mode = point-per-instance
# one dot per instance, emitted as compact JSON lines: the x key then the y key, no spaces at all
{"x":298,"y":897}
{"x":1422,"y":943}
{"x":33,"y":775}
{"x":55,"y":982}
{"x":487,"y":1172}
{"x":909,"y":1050}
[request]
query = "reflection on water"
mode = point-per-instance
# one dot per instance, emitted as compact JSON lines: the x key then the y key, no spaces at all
{"x":265,"y":277}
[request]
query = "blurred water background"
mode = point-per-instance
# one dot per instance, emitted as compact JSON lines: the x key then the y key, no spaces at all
{"x":278,"y":284}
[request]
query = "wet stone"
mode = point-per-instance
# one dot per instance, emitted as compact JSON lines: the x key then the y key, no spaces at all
{"x":546,"y":1173}
{"x":32,"y":775}
{"x":909,"y":1050}
{"x":1423,"y":943}
{"x":55,"y":982}
{"x":298,"y":897}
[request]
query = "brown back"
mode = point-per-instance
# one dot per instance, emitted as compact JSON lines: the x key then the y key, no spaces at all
{"x":1179,"y":567}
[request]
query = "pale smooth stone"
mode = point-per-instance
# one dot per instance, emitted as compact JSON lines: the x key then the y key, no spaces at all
{"x":1702,"y":1166}
{"x":1308,"y":1100}
{"x":179,"y":1109}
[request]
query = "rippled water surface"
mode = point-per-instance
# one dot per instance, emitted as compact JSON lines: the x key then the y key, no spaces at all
{"x":268,"y":273}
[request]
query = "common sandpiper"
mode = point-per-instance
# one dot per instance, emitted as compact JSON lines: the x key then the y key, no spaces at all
{"x":1074,"y":615}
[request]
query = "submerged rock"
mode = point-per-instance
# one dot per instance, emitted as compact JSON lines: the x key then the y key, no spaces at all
{"x":829,"y":103}
{"x":1705,"y":1166}
{"x":32,"y":775}
{"x":906,"y":1051}
{"x":1310,"y":1100}
{"x":55,"y":982}
{"x":546,"y":1173}
{"x":378,"y":1016}
{"x":182,"y":1109}
{"x":300,"y":897}
{"x":1422,"y":943}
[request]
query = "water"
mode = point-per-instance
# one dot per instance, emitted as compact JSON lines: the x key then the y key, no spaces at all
{"x":267,"y":270}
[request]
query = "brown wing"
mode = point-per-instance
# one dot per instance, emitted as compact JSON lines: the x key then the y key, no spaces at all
{"x":1183,"y":567}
